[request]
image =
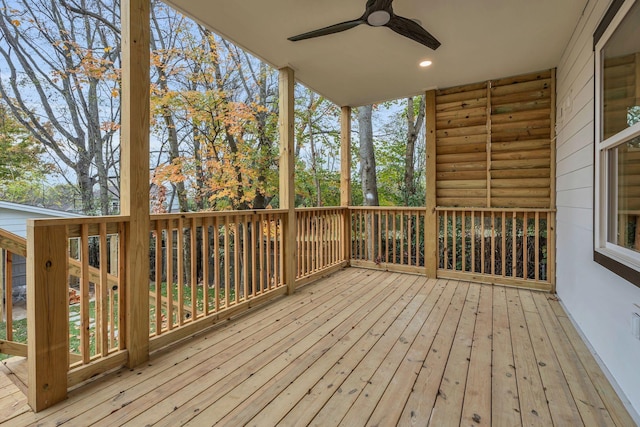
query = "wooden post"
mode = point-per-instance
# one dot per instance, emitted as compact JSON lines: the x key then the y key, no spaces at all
{"x":551,"y":237}
{"x":3,"y":295}
{"x":134,"y":164}
{"x":287,"y":175}
{"x":345,"y":180}
{"x":47,"y":315}
{"x":489,"y":203}
{"x":431,"y":217}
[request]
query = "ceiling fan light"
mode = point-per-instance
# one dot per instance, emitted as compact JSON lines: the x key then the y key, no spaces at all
{"x":378,"y":18}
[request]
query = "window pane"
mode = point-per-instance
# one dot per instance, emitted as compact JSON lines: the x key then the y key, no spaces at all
{"x":621,"y":76}
{"x":624,"y":195}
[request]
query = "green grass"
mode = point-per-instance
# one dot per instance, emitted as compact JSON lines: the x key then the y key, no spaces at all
{"x":186,"y":297}
{"x":20,"y":326}
{"x":20,"y":330}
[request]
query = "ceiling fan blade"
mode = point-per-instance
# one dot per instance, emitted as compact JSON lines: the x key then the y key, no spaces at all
{"x":343,"y":26}
{"x":411,"y":29}
{"x":373,"y":5}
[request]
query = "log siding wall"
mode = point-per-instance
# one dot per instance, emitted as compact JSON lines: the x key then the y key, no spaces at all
{"x":494,"y":143}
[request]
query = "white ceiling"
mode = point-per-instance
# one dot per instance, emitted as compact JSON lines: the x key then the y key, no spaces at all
{"x":481,"y":40}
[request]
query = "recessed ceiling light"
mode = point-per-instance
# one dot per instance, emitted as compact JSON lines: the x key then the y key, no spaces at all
{"x":425,"y":64}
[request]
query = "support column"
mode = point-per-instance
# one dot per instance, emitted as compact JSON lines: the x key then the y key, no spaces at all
{"x":431,"y":217}
{"x":345,"y":180}
{"x":551,"y":236}
{"x":47,"y":315}
{"x":287,"y":175}
{"x":134,"y":170}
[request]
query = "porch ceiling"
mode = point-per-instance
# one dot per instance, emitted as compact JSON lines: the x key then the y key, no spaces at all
{"x":481,"y":40}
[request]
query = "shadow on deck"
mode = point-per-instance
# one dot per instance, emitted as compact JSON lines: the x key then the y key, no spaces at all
{"x":361,"y":347}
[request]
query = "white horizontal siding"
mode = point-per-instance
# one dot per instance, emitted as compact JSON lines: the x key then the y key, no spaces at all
{"x":14,"y":220}
{"x":579,"y":178}
{"x":599,"y":301}
{"x":578,"y":160}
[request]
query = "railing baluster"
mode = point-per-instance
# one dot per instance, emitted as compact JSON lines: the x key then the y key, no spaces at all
{"x":122,"y":285}
{"x":180,"y":256}
{"x":379,"y":236}
{"x":169,"y":284}
{"x":85,"y":344}
{"x":269,"y":263}
{"x":276,"y":252}
{"x":9,"y":295}
{"x":493,"y":243}
{"x":245,"y":256}
{"x":158,"y":278}
{"x":514,"y":242}
{"x":463,"y":242}
{"x":237,"y":286}
{"x":537,"y":246}
{"x":402,"y":233}
{"x":525,"y":249}
{"x":262,"y":249}
{"x":194,"y":269}
{"x":445,"y":219}
{"x":254,"y":259}
{"x":454,"y":239}
{"x":104,"y":285}
{"x":473,"y":241}
{"x":113,"y":270}
{"x":216,"y":264}
{"x":205,"y":265}
{"x":227,"y":268}
{"x":503,"y":249}
{"x":549,"y":274}
{"x":482,"y":243}
{"x":316,"y":242}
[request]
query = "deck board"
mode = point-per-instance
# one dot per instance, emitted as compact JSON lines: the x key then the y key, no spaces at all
{"x":360,"y":347}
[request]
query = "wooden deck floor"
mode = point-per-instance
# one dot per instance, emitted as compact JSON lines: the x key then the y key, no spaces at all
{"x":365,"y":348}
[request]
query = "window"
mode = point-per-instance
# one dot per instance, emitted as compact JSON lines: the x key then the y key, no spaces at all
{"x":617,"y":170}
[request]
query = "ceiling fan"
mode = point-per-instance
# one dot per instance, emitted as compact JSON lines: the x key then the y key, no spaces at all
{"x":378,"y":13}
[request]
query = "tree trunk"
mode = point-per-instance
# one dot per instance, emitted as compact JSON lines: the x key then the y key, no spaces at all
{"x":367,"y":157}
{"x":368,"y":176}
{"x":413,"y":130}
{"x":312,"y":145}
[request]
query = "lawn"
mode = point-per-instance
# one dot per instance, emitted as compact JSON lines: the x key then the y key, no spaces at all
{"x":20,"y":326}
{"x":20,"y":330}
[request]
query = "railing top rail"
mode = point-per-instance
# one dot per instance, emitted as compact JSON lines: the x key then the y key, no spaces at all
{"x":388,"y":208}
{"x":46,"y":222}
{"x":321,"y":208}
{"x":516,"y":210}
{"x":212,"y":214}
{"x":13,"y":243}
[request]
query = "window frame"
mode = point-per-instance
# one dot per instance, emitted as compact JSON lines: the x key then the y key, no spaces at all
{"x":620,"y":260}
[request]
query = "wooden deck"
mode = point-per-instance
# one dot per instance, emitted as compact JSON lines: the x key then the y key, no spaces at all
{"x":363,"y":347}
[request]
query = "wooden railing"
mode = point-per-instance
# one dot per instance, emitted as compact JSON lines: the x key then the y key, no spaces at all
{"x":75,"y":302}
{"x":11,"y":343}
{"x":208,"y":263}
{"x":205,"y":267}
{"x":507,"y":246}
{"x":320,"y":237}
{"x":388,"y":237}
{"x":96,"y":303}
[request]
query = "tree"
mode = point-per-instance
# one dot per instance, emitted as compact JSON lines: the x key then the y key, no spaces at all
{"x":317,"y":136}
{"x":414,"y":125}
{"x":20,"y":156}
{"x":367,"y":157}
{"x":217,"y":110}
{"x":64,"y":58}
